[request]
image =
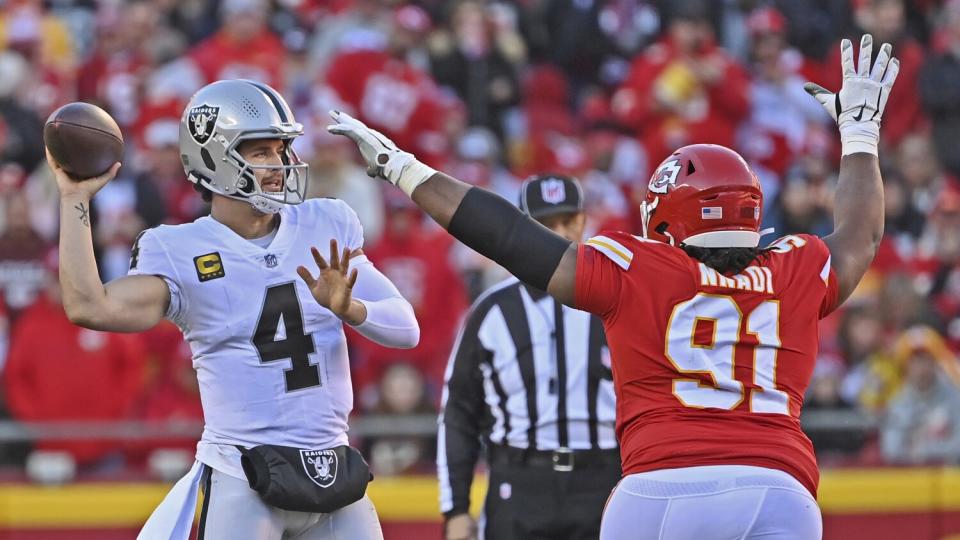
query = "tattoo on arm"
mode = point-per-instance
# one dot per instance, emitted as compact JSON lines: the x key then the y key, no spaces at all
{"x":84,"y":214}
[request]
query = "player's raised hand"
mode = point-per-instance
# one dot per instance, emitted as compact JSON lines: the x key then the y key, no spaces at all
{"x":70,"y":187}
{"x":332,"y":288}
{"x":858,"y":106}
{"x":382,"y":156}
{"x":375,"y":148}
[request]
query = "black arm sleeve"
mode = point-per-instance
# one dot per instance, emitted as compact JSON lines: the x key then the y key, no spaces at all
{"x":496,"y":229}
{"x":463,"y":419}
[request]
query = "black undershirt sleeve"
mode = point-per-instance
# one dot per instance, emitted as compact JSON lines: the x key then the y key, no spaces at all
{"x":494,"y":228}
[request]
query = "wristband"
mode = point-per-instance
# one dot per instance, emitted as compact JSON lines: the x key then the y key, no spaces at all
{"x":404,"y":171}
{"x":861,"y":137}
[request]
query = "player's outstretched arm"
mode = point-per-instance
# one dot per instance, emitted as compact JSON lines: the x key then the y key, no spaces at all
{"x":362,"y":297}
{"x":858,"y":203}
{"x":485,"y":222}
{"x":128,"y":304}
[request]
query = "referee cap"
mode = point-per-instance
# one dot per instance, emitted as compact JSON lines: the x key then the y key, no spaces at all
{"x":548,"y":194}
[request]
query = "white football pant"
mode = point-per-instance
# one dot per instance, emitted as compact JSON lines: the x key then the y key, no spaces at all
{"x":727,"y":502}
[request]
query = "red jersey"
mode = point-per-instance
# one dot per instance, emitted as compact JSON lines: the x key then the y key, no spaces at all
{"x":394,"y":97}
{"x":709,"y":369}
{"x":259,"y":58}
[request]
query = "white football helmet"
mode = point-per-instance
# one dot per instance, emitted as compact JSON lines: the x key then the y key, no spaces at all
{"x":222,"y":115}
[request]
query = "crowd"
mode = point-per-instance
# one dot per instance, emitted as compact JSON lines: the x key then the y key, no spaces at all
{"x":489,"y":91}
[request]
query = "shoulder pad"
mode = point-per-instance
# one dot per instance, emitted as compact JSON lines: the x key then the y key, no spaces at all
{"x":612,"y":249}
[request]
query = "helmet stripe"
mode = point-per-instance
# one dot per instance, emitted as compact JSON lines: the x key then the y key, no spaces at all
{"x":273,"y":99}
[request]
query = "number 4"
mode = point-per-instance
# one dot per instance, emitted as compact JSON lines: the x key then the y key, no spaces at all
{"x":281,"y":303}
{"x":716,"y":358}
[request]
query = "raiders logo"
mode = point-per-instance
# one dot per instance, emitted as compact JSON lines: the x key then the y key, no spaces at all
{"x":201,"y":121}
{"x":320,"y":466}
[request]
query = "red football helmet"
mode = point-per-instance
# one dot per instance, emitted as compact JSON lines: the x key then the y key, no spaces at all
{"x":703,"y":195}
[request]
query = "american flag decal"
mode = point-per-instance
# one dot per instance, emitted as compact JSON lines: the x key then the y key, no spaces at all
{"x":711,"y":212}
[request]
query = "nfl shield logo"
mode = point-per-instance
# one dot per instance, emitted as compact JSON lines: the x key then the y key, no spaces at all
{"x":320,"y":466}
{"x":270,"y":259}
{"x":553,"y":191}
{"x":201,"y":121}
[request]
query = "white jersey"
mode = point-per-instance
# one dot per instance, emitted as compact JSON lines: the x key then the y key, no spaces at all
{"x":271,"y":362}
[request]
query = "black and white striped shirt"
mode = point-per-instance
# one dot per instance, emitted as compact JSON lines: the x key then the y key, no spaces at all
{"x":515,"y":378}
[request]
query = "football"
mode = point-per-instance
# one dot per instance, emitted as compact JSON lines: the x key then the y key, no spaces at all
{"x":83,"y":139}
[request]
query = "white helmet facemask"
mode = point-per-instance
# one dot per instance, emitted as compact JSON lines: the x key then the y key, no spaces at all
{"x":294,"y":175}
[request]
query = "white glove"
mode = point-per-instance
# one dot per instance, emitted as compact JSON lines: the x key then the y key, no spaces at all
{"x":381,"y":155}
{"x":858,"y":107}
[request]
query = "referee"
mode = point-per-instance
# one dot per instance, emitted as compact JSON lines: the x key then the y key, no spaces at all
{"x":531,"y":379}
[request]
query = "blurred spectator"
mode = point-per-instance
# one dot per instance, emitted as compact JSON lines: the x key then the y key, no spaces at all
{"x":389,"y":93}
{"x":613,"y":150}
{"x":806,"y":200}
{"x":478,"y":161}
{"x":684,"y":89}
{"x":901,"y":304}
{"x":48,"y":357}
{"x":574,"y":41}
{"x":824,"y":394}
{"x":544,"y":114}
{"x":114,"y":75}
{"x":162,"y":177}
{"x":172,"y":393}
{"x":402,"y":392}
{"x":195,"y":20}
{"x":884,"y":19}
{"x":546,"y":94}
{"x":938,"y":263}
{"x":416,"y":259}
{"x":922,"y":425}
{"x":782,"y":112}
{"x":925,"y":180}
{"x":44,"y":41}
{"x":583,"y":38}
{"x":365,"y":26}
{"x":4,"y":342}
{"x":28,"y":28}
{"x":814,"y":24}
{"x":243,"y":48}
{"x":333,"y":173}
{"x":480,"y":61}
{"x":824,"y":390}
{"x":939,"y":85}
{"x":615,"y":162}
{"x":130,"y":203}
{"x":903,"y":223}
{"x":21,"y":130}
{"x":862,"y":346}
{"x":298,"y":79}
{"x":22,"y":254}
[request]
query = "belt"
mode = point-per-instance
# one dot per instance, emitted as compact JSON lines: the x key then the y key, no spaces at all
{"x":560,"y":460}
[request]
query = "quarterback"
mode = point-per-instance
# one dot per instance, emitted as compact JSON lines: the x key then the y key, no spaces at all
{"x":713,"y":338}
{"x":268,"y":347}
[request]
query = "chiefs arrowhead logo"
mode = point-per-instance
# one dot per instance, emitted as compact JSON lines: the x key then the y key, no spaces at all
{"x":201,"y":121}
{"x":665,"y":176}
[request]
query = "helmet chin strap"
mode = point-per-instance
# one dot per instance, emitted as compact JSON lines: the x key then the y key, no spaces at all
{"x":257,"y":201}
{"x":262,"y":204}
{"x":646,"y":211}
{"x":670,"y":237}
